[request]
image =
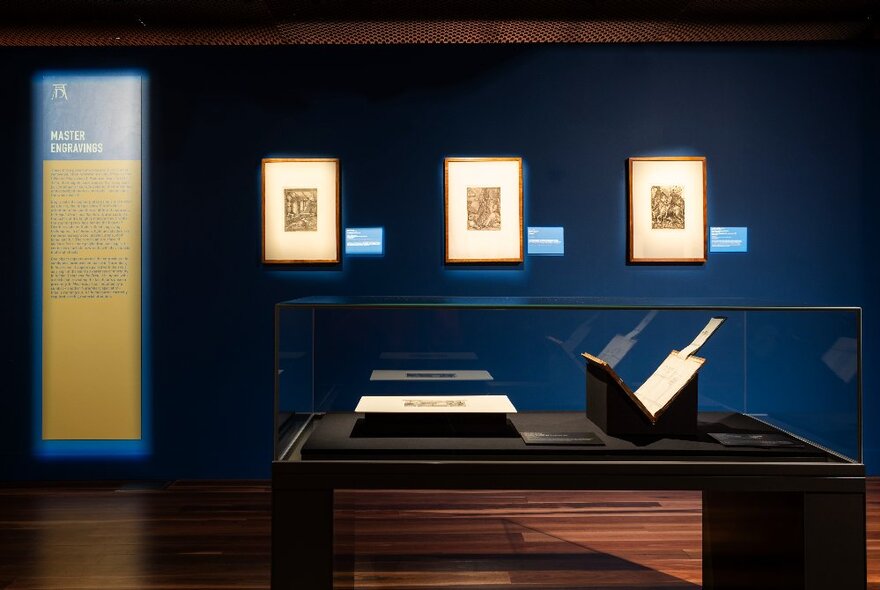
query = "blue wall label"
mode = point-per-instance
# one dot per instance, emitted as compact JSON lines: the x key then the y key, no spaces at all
{"x":728,"y":239}
{"x":546,"y":241}
{"x":364,"y":241}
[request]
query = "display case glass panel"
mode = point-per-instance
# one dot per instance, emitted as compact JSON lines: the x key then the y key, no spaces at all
{"x":794,"y":368}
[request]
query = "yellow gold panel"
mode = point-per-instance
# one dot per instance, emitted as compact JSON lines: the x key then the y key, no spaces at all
{"x":91,"y":300}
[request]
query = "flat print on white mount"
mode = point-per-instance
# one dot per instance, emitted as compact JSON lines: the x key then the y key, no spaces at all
{"x":667,"y":210}
{"x":301,"y":211}
{"x":483,"y":207}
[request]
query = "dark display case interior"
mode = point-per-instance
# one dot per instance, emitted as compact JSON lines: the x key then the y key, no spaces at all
{"x":776,"y":382}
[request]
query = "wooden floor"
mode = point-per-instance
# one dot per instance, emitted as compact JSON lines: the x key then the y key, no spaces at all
{"x":216,"y":535}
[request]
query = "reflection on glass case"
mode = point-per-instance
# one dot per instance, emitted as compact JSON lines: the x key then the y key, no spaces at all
{"x":778,"y":380}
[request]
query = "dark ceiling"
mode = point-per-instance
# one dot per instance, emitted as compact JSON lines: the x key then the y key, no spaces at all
{"x":287,"y":22}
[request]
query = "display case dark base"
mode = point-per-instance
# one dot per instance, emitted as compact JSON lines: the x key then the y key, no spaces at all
{"x":612,"y":410}
{"x":394,"y":425}
{"x":769,"y":520}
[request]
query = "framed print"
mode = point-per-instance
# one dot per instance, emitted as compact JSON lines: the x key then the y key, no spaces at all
{"x":301,"y":213}
{"x":667,"y":209}
{"x":483,"y":208}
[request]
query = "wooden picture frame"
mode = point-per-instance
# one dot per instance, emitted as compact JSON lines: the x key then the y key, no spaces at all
{"x":667,"y":215}
{"x":483,"y":210}
{"x":301,"y":213}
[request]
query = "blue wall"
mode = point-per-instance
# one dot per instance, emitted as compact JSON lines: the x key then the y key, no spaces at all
{"x":789,"y":133}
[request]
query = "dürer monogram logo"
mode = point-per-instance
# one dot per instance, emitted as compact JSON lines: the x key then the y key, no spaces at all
{"x":59,"y":91}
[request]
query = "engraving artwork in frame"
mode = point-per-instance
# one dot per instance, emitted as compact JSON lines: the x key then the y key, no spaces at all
{"x":667,"y":210}
{"x":301,"y":213}
{"x":483,"y":210}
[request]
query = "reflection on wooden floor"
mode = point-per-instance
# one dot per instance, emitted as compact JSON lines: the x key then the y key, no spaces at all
{"x":548,"y":540}
{"x":216,"y":535}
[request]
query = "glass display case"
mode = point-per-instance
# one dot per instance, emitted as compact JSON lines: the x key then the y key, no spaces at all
{"x":771,"y":435}
{"x":795,"y":369}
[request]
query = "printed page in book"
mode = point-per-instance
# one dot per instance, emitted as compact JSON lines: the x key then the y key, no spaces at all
{"x":671,"y":376}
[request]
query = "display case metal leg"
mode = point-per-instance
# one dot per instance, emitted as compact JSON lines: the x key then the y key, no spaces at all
{"x":753,"y":540}
{"x":835,"y":542}
{"x":784,"y":540}
{"x":302,"y":539}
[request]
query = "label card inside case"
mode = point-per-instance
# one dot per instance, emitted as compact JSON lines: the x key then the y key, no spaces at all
{"x":429,"y":375}
{"x":754,"y":439}
{"x":561,"y":438}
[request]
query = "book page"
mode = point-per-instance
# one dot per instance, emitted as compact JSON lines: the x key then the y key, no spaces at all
{"x":702,"y":337}
{"x":669,"y":378}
